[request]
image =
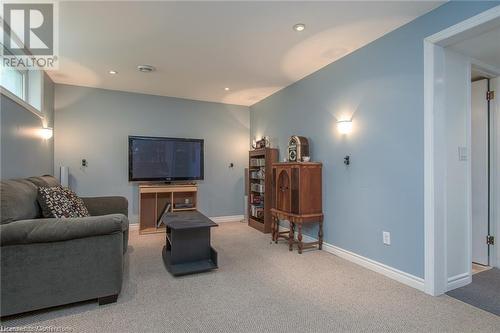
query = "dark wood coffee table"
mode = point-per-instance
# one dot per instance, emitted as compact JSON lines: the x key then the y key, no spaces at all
{"x":187,"y":249}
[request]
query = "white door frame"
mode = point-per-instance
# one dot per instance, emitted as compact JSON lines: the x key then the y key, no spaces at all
{"x":436,"y":280}
{"x":495,"y":172}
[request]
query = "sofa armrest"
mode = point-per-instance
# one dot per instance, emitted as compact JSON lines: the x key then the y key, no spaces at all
{"x":59,"y":229}
{"x":106,"y":205}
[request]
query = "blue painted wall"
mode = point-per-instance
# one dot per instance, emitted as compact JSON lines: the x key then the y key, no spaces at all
{"x":23,"y":152}
{"x":381,"y":87}
{"x":95,"y":124}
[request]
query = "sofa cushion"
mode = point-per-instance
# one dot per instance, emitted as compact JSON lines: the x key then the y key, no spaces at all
{"x":60,"y":203}
{"x":18,"y":200}
{"x":45,"y":181}
{"x":62,"y":229}
{"x":106,"y":205}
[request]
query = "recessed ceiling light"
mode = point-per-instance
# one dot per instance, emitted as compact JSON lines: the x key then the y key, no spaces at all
{"x":299,"y":27}
{"x":113,"y":72}
{"x":226,"y":89}
{"x":145,"y":68}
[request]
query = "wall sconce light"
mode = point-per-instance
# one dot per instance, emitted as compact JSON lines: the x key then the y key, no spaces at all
{"x":344,"y":126}
{"x":46,"y":132}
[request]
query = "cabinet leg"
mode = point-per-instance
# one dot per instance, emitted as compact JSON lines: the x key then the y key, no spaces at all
{"x":276,"y":230}
{"x":291,"y":236}
{"x":272,"y":229}
{"x":320,"y":236}
{"x":299,"y":238}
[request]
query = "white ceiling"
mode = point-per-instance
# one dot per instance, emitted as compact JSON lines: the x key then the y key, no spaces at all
{"x":199,"y":48}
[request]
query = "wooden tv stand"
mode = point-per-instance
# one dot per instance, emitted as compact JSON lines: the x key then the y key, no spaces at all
{"x":154,"y":198}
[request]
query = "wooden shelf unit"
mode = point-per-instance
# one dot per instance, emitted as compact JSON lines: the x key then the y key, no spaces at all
{"x":154,"y":198}
{"x":268,"y":156}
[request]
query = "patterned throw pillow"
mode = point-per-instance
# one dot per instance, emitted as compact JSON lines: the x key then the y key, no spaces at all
{"x":77,"y":203}
{"x":60,"y":202}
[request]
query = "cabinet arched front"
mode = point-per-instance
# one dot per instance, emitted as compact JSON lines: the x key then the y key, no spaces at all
{"x":283,"y":196}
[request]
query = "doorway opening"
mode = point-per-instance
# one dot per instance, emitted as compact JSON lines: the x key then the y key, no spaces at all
{"x":462,"y":209}
{"x":481,"y":142}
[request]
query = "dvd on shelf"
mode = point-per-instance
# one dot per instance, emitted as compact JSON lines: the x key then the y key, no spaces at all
{"x":257,"y":211}
{"x":260,"y":188}
{"x":258,"y":174}
{"x":257,"y":162}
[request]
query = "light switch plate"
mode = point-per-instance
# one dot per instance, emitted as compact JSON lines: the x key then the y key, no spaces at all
{"x":386,"y":237}
{"x":462,"y":153}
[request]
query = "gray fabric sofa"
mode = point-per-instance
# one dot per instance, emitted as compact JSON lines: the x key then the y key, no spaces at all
{"x":47,"y":262}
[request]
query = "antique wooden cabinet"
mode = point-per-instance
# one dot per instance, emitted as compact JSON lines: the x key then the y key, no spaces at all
{"x":298,"y":187}
{"x":298,"y":199}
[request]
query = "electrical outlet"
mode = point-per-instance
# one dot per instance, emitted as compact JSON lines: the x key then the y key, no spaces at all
{"x":84,"y":163}
{"x":386,"y":237}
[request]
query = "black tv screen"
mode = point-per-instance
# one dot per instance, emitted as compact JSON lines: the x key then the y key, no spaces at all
{"x":164,"y":159}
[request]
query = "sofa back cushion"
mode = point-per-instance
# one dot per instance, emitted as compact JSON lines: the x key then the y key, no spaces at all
{"x":44,"y":181}
{"x":18,"y":200}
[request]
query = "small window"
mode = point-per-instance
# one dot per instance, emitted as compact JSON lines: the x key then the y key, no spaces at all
{"x":24,"y":84}
{"x":14,"y":81}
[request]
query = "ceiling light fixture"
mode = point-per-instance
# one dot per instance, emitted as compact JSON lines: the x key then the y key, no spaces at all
{"x":299,"y":27}
{"x":145,"y":68}
{"x":226,"y":89}
{"x":113,"y":72}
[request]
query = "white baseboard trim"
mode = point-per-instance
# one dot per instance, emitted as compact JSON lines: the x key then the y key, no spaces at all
{"x":388,"y":271}
{"x":133,"y":219}
{"x":133,"y":226}
{"x":458,"y":281}
{"x":229,"y":218}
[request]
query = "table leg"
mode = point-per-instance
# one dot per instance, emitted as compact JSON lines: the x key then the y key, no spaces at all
{"x":291,"y":236}
{"x":299,"y":237}
{"x":320,"y":236}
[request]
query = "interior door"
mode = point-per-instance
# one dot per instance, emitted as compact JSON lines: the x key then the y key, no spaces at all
{"x":495,"y":171}
{"x":479,"y":164}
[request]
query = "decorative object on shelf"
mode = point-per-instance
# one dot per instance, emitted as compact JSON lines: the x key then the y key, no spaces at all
{"x":263,"y":143}
{"x":344,"y":126}
{"x":161,"y":220}
{"x":298,"y":200}
{"x":260,"y":198}
{"x":298,"y":147}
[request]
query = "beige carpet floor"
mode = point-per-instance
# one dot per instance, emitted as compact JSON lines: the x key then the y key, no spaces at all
{"x":261,"y":287}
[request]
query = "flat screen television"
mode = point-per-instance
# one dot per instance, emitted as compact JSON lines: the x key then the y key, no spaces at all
{"x":164,"y":159}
